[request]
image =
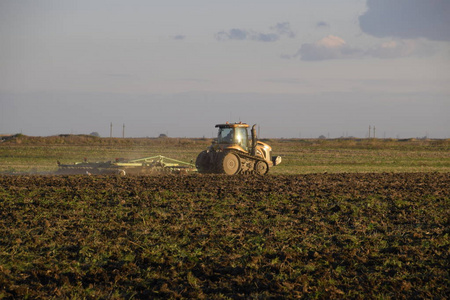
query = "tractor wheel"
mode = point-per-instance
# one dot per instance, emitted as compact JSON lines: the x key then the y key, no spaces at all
{"x":261,"y":168}
{"x":230,"y":164}
{"x":203,"y":162}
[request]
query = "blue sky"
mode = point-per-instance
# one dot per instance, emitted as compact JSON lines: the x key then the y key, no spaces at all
{"x":297,"y":68}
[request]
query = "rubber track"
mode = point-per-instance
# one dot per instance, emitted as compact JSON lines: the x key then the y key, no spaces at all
{"x":249,"y":157}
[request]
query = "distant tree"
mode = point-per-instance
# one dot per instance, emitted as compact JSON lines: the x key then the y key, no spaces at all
{"x":162,"y":135}
{"x":322,"y":137}
{"x":95,"y":133}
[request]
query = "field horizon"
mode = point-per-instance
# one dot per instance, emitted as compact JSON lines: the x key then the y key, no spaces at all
{"x":38,"y":155}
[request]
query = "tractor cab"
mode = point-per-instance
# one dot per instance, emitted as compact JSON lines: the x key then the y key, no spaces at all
{"x":233,"y":136}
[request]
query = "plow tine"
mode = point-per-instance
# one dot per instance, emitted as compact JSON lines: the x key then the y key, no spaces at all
{"x":147,"y":165}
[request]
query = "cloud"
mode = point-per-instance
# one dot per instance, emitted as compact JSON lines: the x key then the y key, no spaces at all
{"x":407,"y":19}
{"x":265,"y":37}
{"x":330,"y":47}
{"x":232,"y":34}
{"x":334,"y":47}
{"x":400,"y":48}
{"x":322,"y":24}
{"x":284,"y":29}
{"x":277,"y":31}
{"x":179,"y":37}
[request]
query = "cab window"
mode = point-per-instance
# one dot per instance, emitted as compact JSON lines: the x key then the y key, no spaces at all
{"x":225,"y":136}
{"x":241,"y":137}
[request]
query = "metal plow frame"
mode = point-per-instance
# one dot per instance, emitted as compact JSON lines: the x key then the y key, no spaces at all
{"x":148,"y":165}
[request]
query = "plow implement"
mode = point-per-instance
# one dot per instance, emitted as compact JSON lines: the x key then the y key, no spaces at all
{"x":142,"y":166}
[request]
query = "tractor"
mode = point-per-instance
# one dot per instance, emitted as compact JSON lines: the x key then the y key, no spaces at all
{"x":234,"y":153}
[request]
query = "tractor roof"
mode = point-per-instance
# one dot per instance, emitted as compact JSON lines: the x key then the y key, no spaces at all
{"x":232,"y":125}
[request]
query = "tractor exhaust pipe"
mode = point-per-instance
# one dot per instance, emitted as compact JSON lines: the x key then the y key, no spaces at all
{"x":254,"y":140}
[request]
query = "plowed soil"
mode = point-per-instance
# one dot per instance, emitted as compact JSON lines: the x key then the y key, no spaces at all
{"x":206,"y":236}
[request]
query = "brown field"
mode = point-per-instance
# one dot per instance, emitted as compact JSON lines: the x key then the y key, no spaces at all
{"x":374,"y":235}
{"x":337,"y":219}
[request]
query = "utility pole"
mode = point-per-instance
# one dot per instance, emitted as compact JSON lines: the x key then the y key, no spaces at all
{"x":373,"y":131}
{"x":123,"y":131}
{"x":110,"y":130}
{"x":370,"y":128}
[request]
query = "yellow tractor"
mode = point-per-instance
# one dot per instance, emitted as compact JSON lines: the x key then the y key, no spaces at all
{"x":233,"y":153}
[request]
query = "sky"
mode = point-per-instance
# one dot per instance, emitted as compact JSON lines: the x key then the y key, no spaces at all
{"x":298,"y":69}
